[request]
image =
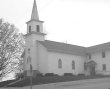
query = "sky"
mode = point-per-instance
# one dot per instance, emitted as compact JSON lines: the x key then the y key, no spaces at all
{"x":79,"y":22}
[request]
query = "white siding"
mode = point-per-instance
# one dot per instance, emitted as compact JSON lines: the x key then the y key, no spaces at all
{"x":67,"y":59}
{"x":30,"y":43}
{"x":43,"y":59}
{"x":97,"y":57}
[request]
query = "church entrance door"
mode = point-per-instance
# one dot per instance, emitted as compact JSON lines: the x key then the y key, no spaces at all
{"x":92,"y":70}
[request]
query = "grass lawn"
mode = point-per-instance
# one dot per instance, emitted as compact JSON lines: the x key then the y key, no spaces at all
{"x":52,"y":79}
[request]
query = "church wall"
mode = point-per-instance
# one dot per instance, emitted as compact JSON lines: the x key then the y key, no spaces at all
{"x":31,"y":44}
{"x":37,"y":37}
{"x":43,"y":59}
{"x":97,"y":57}
{"x":66,"y":63}
{"x":28,"y":45}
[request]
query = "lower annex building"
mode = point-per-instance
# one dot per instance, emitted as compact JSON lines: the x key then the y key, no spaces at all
{"x":54,"y":57}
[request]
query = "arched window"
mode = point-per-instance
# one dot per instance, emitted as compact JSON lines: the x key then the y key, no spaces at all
{"x":38,"y":28}
{"x":59,"y":63}
{"x":73,"y":65}
{"x":29,"y":50}
{"x":103,"y":54}
{"x":29,"y":29}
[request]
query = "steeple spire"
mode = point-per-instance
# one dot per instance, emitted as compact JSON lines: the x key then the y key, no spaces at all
{"x":34,"y":15}
{"x":34,"y":25}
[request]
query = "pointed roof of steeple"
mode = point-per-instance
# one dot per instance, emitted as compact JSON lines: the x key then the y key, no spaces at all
{"x":34,"y":15}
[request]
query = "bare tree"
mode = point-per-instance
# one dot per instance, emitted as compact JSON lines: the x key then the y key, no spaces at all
{"x":11,"y":49}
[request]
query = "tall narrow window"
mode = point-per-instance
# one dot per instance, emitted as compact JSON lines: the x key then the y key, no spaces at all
{"x":89,"y":56}
{"x":103,"y":54}
{"x":85,"y":66}
{"x":37,"y":28}
{"x":73,"y":65}
{"x":29,"y":29}
{"x":59,"y":63}
{"x":104,"y":67}
{"x":29,"y":50}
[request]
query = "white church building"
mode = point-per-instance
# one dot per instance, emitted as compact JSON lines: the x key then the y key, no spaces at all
{"x":47,"y":56}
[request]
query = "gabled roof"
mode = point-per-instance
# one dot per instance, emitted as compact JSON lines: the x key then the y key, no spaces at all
{"x":98,"y":48}
{"x":74,"y":49}
{"x":63,"y":47}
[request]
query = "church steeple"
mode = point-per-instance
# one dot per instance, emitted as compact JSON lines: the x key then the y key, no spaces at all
{"x":34,"y":35}
{"x":35,"y":26}
{"x":34,"y":15}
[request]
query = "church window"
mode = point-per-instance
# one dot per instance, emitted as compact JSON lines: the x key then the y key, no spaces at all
{"x":104,"y":66}
{"x":85,"y":66}
{"x":89,"y":56}
{"x":73,"y":65}
{"x":29,"y":50}
{"x":103,"y":54}
{"x":37,"y":28}
{"x":59,"y":63}
{"x":29,"y":29}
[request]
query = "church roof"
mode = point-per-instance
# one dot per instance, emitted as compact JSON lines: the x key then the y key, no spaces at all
{"x":98,"y":48}
{"x":74,"y":49}
{"x":63,"y":47}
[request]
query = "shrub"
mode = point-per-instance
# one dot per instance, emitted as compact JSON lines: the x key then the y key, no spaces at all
{"x":74,"y":75}
{"x":56,"y":75}
{"x":81,"y":75}
{"x":68,"y":74}
{"x":20,"y":75}
{"x":50,"y":74}
{"x":39,"y":75}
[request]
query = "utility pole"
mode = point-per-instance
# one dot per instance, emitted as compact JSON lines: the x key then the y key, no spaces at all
{"x":31,"y":76}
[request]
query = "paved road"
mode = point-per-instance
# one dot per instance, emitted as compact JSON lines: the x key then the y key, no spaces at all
{"x":82,"y":84}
